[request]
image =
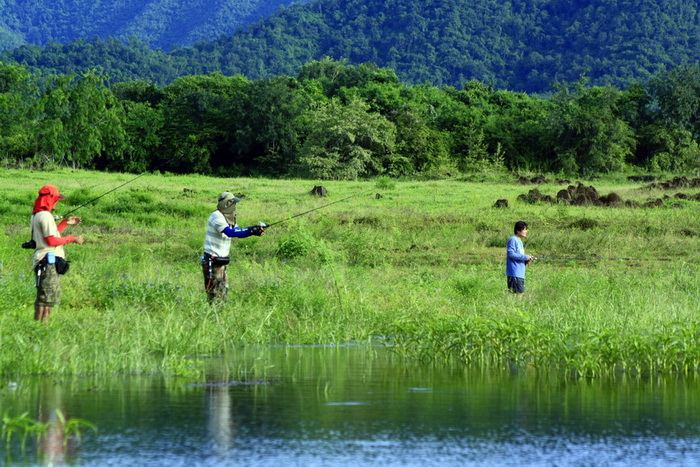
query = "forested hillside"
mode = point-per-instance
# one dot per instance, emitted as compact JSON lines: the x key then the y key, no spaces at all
{"x":161,"y":23}
{"x":338,"y":121}
{"x":523,"y":45}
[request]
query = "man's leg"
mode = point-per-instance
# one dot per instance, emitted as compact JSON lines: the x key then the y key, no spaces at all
{"x":42,"y":313}
{"x":48,"y":294}
{"x":220,"y":284}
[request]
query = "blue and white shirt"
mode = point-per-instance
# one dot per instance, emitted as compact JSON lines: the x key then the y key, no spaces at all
{"x":216,"y":242}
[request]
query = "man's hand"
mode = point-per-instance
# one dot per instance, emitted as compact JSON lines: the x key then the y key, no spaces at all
{"x":79,"y":239}
{"x":73,"y":220}
{"x":530,"y":259}
{"x":257,"y":230}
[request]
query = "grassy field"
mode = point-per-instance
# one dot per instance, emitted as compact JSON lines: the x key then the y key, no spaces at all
{"x":419,"y":264}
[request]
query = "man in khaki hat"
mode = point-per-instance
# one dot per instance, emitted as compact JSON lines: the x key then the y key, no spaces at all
{"x":49,"y":255}
{"x":221,"y":228}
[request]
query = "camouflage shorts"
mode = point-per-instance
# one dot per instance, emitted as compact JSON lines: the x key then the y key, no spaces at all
{"x":216,"y":284}
{"x":49,"y":291}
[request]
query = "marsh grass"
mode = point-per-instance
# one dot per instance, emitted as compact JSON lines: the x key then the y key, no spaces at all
{"x":421,"y":266}
{"x":24,"y":427}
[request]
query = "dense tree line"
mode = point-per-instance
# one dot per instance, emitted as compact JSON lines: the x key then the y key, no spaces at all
{"x":161,"y":23}
{"x":522,"y":45}
{"x":340,"y":121}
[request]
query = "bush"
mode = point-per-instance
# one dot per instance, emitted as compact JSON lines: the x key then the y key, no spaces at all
{"x":294,"y":246}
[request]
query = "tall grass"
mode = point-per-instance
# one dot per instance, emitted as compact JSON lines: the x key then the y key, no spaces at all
{"x":420,"y":266}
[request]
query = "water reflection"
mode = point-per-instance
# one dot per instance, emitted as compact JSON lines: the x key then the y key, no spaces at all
{"x":363,"y":405}
{"x":220,"y":418}
{"x":53,"y":447}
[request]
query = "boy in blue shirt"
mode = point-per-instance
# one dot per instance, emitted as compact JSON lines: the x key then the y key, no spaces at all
{"x":516,"y":259}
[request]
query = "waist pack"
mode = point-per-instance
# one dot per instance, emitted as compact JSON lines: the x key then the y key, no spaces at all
{"x":215,"y":260}
{"x":61,"y":265}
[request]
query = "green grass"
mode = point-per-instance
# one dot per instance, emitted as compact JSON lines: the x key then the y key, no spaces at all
{"x":422,"y":266}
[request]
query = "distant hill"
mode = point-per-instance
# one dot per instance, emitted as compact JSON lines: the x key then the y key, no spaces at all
{"x":523,"y":45}
{"x":161,"y":23}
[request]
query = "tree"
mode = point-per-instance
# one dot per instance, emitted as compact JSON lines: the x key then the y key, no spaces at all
{"x":143,"y":126}
{"x":18,"y":113}
{"x":346,"y":142}
{"x":264,"y":125}
{"x":589,"y":136}
{"x":81,"y":121}
{"x":669,"y":147}
{"x":677,"y":96}
{"x":517,"y":128}
{"x":419,"y":147}
{"x":195,"y":111}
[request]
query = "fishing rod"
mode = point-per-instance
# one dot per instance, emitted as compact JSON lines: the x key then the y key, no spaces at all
{"x":598,"y":258}
{"x":310,"y":210}
{"x":31,"y":244}
{"x":115,"y":189}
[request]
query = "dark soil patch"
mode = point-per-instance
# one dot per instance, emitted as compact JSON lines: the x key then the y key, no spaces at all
{"x":584,"y":224}
{"x":371,"y":221}
{"x":642,"y":178}
{"x":540,"y":180}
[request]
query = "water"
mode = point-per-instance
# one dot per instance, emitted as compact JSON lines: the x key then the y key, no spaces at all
{"x":360,"y":406}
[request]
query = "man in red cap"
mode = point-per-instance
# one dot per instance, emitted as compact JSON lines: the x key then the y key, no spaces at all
{"x":49,"y":246}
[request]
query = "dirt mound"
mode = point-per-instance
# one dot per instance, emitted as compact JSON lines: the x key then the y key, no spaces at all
{"x":582,"y":195}
{"x":534,"y":196}
{"x":675,"y":183}
{"x":540,"y":180}
{"x":577,"y":195}
{"x":319,"y":190}
{"x":695,"y":197}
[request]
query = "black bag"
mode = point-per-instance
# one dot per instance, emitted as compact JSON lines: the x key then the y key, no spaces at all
{"x":221,"y":260}
{"x":62,"y":265}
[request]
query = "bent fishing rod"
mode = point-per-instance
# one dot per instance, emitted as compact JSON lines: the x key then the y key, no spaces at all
{"x":115,"y":189}
{"x":306,"y":212}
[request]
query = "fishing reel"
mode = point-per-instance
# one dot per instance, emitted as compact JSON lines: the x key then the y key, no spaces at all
{"x":258,"y":229}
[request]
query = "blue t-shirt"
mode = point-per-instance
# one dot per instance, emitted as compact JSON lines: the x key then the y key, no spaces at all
{"x":515,"y":257}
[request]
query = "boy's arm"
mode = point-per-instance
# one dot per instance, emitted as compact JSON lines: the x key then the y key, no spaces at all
{"x":513,"y":254}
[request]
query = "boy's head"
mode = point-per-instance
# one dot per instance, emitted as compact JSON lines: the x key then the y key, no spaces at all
{"x":520,"y":227}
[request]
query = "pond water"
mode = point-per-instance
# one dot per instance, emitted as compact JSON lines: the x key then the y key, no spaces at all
{"x":359,"y":405}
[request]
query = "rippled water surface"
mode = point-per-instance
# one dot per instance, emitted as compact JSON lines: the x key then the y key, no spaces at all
{"x":359,"y":406}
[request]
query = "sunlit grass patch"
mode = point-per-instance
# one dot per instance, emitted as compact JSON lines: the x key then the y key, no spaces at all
{"x":422,"y":265}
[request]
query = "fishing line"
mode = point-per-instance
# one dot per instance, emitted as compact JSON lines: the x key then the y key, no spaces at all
{"x":312,"y":210}
{"x":118,"y":187}
{"x":597,"y":258}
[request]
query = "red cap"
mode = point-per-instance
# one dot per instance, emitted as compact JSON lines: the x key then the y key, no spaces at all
{"x":50,"y":190}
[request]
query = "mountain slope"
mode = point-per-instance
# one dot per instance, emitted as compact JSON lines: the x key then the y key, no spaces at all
{"x":162,"y":23}
{"x":520,"y":44}
{"x":523,"y":45}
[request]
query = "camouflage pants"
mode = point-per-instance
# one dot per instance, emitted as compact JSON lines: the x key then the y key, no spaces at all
{"x":48,"y":293}
{"x":216,"y":283}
